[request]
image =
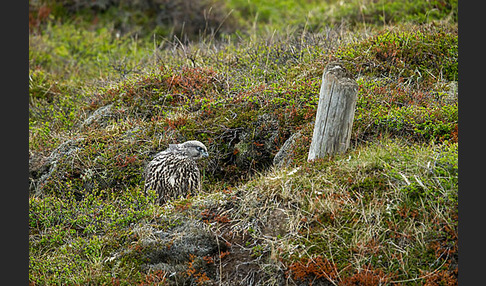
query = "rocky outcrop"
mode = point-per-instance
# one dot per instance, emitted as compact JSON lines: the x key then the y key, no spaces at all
{"x":181,"y":251}
{"x":42,"y":168}
{"x":99,"y":117}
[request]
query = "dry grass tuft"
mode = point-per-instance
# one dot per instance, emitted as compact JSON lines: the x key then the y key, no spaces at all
{"x":371,"y":216}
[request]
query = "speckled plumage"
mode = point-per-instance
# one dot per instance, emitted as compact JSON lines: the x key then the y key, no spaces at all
{"x":174,"y":172}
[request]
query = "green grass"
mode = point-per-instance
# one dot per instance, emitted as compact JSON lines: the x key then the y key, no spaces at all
{"x":70,"y":241}
{"x":383,"y":212}
{"x":317,"y":14}
{"x":417,"y":54}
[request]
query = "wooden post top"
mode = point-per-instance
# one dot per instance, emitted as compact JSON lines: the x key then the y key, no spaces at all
{"x":340,"y":73}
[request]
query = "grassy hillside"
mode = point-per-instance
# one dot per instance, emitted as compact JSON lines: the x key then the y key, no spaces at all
{"x":113,"y":83}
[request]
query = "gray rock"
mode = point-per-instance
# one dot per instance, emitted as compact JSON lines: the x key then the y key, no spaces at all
{"x":180,"y":242}
{"x":41,"y":169}
{"x":174,"y":249}
{"x":99,"y":116}
{"x":284,"y":155}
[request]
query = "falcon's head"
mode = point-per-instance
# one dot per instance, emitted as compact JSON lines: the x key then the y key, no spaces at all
{"x":193,"y":149}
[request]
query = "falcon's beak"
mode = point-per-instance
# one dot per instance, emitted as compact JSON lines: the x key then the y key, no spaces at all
{"x":205,"y":154}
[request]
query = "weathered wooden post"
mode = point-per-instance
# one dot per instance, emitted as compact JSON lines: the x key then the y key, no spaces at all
{"x":335,"y":112}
